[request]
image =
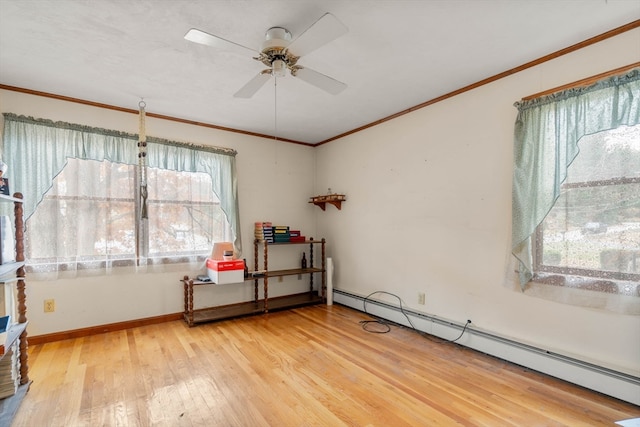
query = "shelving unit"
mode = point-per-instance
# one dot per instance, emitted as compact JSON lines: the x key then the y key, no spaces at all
{"x":13,"y":274}
{"x":258,"y":305}
{"x":295,"y":300}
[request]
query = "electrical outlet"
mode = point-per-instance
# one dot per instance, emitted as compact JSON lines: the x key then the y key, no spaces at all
{"x":421,"y":298}
{"x":49,"y":305}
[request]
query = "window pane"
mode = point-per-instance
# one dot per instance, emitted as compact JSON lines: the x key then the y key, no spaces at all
{"x":594,"y":227}
{"x":87,"y":214}
{"x":184,"y":215}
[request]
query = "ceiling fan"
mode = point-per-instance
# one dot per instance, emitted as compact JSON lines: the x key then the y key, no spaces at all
{"x":280,"y":53}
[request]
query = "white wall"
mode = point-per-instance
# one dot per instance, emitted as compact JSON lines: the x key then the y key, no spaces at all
{"x":429,"y":210}
{"x":263,"y":166}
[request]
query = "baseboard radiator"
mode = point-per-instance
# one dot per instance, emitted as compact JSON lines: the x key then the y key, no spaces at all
{"x":617,"y":384}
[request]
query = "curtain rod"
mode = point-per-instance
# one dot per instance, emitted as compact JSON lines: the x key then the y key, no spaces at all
{"x":584,"y":82}
{"x":134,"y":137}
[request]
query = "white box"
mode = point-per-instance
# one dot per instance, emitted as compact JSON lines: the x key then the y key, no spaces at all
{"x":222,"y":272}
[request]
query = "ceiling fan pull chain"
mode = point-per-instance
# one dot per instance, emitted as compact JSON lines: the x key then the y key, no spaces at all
{"x":275,"y":108}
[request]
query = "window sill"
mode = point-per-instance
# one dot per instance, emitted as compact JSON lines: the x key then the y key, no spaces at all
{"x":66,"y":270}
{"x":614,"y":296}
{"x":617,"y":287}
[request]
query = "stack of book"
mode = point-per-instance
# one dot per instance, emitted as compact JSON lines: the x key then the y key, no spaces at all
{"x":281,"y":234}
{"x":9,"y":372}
{"x":296,"y":236}
{"x":264,"y":231}
{"x":5,"y":325}
{"x":10,"y":363}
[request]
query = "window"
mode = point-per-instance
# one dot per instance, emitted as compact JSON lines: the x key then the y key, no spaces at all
{"x":82,"y":197}
{"x":577,"y":224}
{"x":88,"y":218}
{"x":184,"y":217}
{"x":593,"y":228}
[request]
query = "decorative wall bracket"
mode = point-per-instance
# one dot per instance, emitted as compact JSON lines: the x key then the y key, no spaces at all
{"x":333,"y":199}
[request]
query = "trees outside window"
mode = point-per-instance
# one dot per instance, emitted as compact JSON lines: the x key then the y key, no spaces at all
{"x":593,"y":228}
{"x":88,"y":219}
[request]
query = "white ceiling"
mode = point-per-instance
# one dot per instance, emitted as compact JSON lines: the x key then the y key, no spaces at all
{"x":396,"y":55}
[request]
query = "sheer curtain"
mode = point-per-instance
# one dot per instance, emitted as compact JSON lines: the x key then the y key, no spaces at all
{"x":547,"y":131}
{"x":218,"y":163}
{"x":85,"y":223}
{"x":38,"y":150}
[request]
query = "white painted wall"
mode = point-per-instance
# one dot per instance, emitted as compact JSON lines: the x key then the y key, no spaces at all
{"x":275,"y":180}
{"x":429,"y":210}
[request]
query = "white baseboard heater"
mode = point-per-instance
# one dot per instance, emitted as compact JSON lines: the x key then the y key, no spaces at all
{"x":617,"y":384}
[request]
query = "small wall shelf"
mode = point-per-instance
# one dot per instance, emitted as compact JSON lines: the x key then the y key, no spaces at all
{"x":333,"y":199}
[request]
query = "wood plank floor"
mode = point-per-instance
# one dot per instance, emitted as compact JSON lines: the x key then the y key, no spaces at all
{"x":312,"y":366}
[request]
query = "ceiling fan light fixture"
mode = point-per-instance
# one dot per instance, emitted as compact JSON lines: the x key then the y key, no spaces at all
{"x":279,"y":68}
{"x":276,"y":37}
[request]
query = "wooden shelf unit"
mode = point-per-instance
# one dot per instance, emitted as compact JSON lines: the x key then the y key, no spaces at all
{"x":13,"y":274}
{"x":310,"y":270}
{"x":258,"y":305}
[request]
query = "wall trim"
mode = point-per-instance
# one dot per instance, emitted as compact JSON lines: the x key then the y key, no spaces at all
{"x":604,"y":380}
{"x":148,"y":114}
{"x":584,"y":82}
{"x":593,"y":40}
{"x":101,"y":329}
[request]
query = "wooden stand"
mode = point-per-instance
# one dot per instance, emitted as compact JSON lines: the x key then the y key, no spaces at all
{"x":264,"y":305}
{"x":279,"y":273}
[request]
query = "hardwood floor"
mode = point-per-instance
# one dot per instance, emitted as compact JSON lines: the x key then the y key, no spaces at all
{"x":313,"y":366}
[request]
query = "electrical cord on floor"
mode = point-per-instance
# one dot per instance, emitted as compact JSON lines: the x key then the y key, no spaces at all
{"x":387,"y":325}
{"x":387,"y":328}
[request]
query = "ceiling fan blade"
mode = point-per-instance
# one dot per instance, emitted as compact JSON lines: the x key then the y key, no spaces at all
{"x":198,"y":36}
{"x":253,"y":85}
{"x":319,"y":80}
{"x":321,"y":32}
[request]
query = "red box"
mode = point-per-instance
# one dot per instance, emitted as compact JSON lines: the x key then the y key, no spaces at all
{"x":222,"y":272}
{"x":222,"y":265}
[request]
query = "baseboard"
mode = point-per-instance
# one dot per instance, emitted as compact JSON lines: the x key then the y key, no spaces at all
{"x":613,"y":383}
{"x":94,"y":330}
